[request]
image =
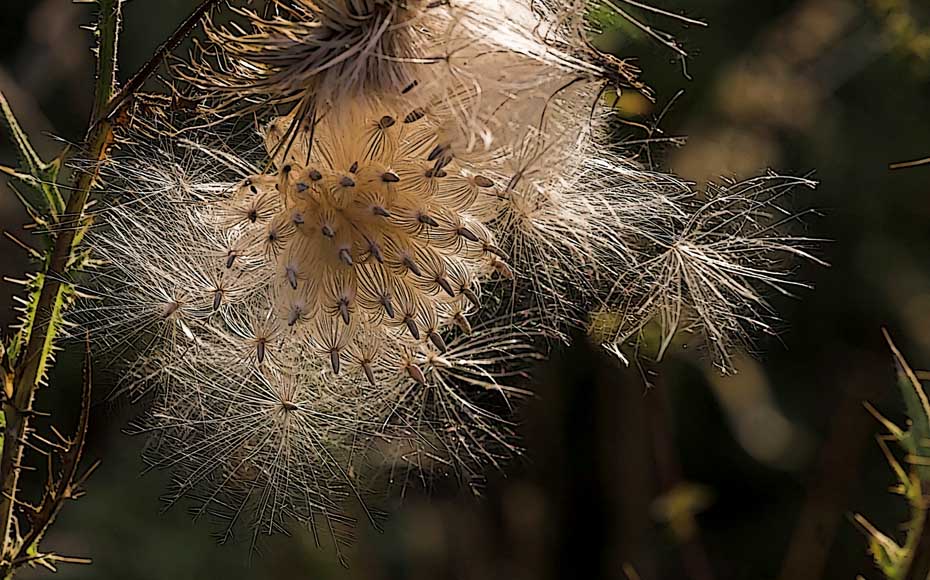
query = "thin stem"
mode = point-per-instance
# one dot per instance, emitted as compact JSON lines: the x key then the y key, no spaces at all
{"x":109,"y":21}
{"x":28,"y":368}
{"x":138,"y":79}
{"x":908,"y":164}
{"x":60,"y":491}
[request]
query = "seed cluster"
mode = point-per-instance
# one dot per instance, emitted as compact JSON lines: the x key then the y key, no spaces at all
{"x":360,"y":287}
{"x":370,"y":245}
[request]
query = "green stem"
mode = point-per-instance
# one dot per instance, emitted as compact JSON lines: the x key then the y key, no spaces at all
{"x":135,"y":83}
{"x":109,"y":21}
{"x":30,"y":366}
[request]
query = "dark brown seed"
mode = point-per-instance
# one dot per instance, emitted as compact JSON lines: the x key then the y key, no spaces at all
{"x":286,"y":169}
{"x":433,"y":172}
{"x":462,"y":323}
{"x":444,"y":284}
{"x":253,"y":215}
{"x":366,"y":366}
{"x":388,"y":305}
{"x":169,"y":309}
{"x":253,"y":189}
{"x":414,"y":116}
{"x":471,"y":296}
{"x":437,"y":341}
{"x":345,"y":256}
{"x":412,"y":266}
{"x":375,"y":250}
{"x":344,"y":310}
{"x":378,"y":210}
{"x":390,"y":177}
{"x":442,"y":162}
{"x":482,"y":181}
{"x":314,"y":175}
{"x":217,"y":299}
{"x":409,"y":87}
{"x":416,"y":373}
{"x":289,"y":406}
{"x":427,"y":219}
{"x":334,"y":360}
{"x":412,"y":327}
{"x":327,"y":231}
{"x":495,"y":250}
{"x":347,"y":181}
{"x":293,"y":316}
{"x":435,"y":153}
{"x":302,"y":187}
{"x":467,"y":234}
{"x":291,"y":274}
{"x":386,"y":122}
{"x":260,"y":350}
{"x":230,"y":259}
{"x":354,"y":167}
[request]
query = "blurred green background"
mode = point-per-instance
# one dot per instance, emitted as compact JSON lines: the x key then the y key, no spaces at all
{"x":750,"y":476}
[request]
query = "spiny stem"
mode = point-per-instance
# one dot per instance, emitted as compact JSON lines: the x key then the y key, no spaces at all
{"x":60,"y":491}
{"x":29,"y":367}
{"x":138,"y":79}
{"x":108,"y":24}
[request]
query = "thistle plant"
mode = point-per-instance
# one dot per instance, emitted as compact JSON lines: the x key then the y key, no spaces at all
{"x":331,"y":256}
{"x":326,"y":259}
{"x":909,"y":559}
{"x":29,"y":347}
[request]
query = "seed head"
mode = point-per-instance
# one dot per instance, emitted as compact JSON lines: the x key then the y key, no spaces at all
{"x":361,"y":284}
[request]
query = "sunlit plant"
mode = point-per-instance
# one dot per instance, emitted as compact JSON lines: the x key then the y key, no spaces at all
{"x":326,"y":260}
{"x":337,"y":254}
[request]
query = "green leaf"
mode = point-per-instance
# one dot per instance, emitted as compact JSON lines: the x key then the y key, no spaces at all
{"x":28,"y":156}
{"x":917,"y":405}
{"x":890,"y":558}
{"x":40,"y":176}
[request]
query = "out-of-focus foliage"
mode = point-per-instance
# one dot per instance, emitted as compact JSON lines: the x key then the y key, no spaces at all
{"x":907,"y":27}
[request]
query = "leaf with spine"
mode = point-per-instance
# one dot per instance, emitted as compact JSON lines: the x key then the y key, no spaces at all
{"x":892,"y":559}
{"x":917,"y":405}
{"x":39,"y":176}
{"x":50,"y":293}
{"x":888,"y":555}
{"x":895,"y":561}
{"x":27,"y":319}
{"x":39,"y":220}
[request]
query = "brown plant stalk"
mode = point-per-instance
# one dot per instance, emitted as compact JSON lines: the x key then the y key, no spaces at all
{"x":25,"y":373}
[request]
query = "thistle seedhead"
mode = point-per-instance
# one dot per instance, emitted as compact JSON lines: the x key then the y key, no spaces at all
{"x":361,"y":284}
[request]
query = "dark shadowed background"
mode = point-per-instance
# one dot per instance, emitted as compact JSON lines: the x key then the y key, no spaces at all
{"x":750,"y":476}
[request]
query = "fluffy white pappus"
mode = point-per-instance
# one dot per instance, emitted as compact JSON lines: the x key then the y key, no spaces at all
{"x":713,"y":271}
{"x":475,"y":58}
{"x":227,"y":332}
{"x":360,"y":285}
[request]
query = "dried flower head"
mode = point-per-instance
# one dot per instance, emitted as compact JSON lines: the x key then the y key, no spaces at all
{"x":360,"y":286}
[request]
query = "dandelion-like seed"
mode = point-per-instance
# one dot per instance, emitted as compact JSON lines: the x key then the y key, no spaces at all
{"x":359,"y":287}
